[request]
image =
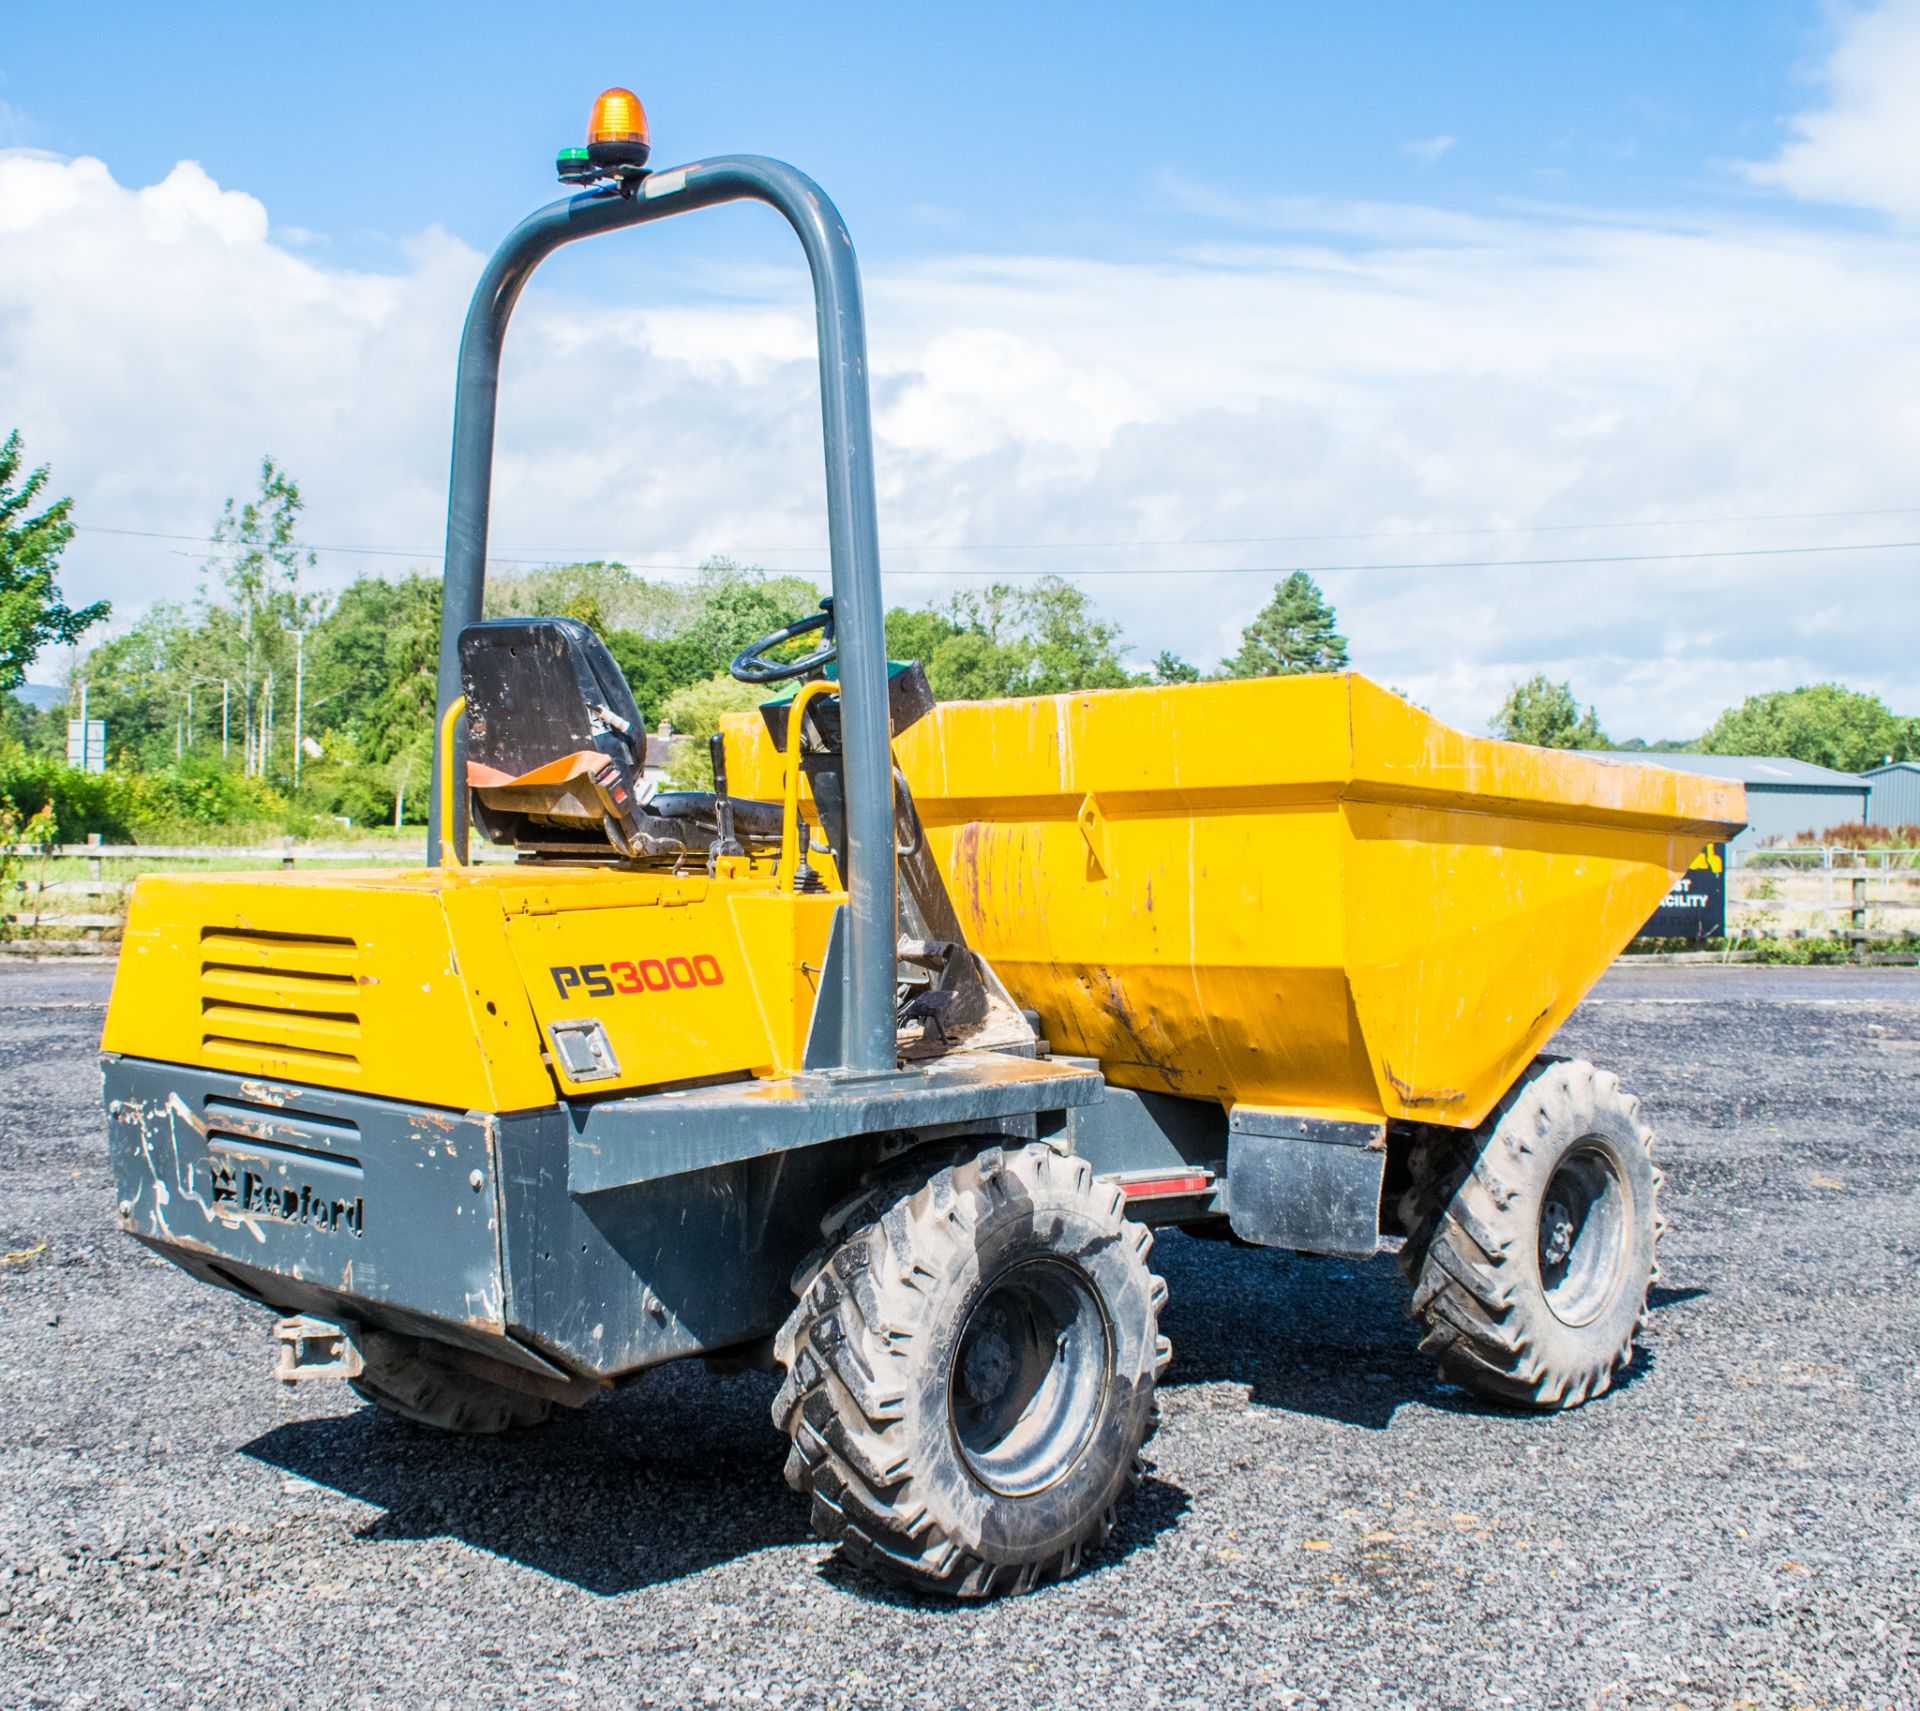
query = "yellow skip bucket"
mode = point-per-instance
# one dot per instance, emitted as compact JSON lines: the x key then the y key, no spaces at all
{"x":1299,"y":893}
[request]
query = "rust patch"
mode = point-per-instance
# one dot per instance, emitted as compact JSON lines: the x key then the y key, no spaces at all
{"x":1408,"y":1096}
{"x":1116,"y":1004}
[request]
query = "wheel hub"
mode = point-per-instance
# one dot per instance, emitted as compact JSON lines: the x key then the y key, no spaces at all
{"x":1585,"y":1219}
{"x":1030,"y":1376}
{"x":1556,"y":1234}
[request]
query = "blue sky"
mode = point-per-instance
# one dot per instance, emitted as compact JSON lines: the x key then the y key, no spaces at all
{"x":1236,"y":288}
{"x":1000,"y":126}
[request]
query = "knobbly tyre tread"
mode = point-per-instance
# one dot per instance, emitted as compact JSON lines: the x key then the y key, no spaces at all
{"x":1472,"y":1221}
{"x":867,"y":1299}
{"x":402,"y":1378}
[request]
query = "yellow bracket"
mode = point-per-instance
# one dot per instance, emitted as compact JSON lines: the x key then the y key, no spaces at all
{"x":451,"y":855}
{"x":790,"y":801}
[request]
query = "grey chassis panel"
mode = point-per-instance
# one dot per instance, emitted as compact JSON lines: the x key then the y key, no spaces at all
{"x":1306,"y":1183}
{"x":631,"y":1277}
{"x":640,"y":1230}
{"x":313,"y":1200}
{"x":1137,"y":1134}
{"x":523,"y":1267}
{"x":1284,"y":1181}
{"x":620,"y":1143}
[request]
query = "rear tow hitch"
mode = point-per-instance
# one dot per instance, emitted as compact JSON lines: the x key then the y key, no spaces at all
{"x":314,"y":1348}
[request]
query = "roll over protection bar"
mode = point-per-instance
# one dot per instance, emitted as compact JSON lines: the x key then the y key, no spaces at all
{"x":867,"y":1042}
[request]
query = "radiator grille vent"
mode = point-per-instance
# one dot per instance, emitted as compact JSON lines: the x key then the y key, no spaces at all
{"x":293,"y":998}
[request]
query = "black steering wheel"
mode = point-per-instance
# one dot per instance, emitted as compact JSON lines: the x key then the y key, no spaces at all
{"x":751,"y":665}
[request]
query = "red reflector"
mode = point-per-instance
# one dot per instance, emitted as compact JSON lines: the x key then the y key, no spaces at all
{"x":1158,"y":1187}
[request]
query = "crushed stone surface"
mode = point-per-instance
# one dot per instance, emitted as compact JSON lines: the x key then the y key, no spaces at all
{"x":1737,"y":1524}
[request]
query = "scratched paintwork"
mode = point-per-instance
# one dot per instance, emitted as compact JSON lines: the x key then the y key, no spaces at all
{"x":423,"y":1240}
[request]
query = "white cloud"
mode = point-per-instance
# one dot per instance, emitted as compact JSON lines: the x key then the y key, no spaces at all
{"x":1862,"y":148}
{"x":1427,"y":150}
{"x":1322,"y":369}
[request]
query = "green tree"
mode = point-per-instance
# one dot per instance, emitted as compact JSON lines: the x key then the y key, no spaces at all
{"x":738,"y":604}
{"x":695,"y":712}
{"x":1070,"y":647}
{"x":1547,"y":716}
{"x":624,"y":601}
{"x":38,"y":730}
{"x":1825,"y":723}
{"x":1293,"y":633}
{"x":655,"y":669}
{"x":916,"y":633}
{"x":969,"y":666}
{"x":1171,"y":668}
{"x":373,"y":664}
{"x":32,"y":612}
{"x":1039,"y":640}
{"x":249,"y":640}
{"x":137,"y":681}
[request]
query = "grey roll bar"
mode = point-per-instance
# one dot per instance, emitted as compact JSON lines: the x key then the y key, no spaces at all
{"x":867,"y":1040}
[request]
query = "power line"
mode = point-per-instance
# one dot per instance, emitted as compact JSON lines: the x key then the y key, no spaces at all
{"x":557,"y":555}
{"x":1376,"y":534}
{"x":1431,"y":564}
{"x":1333,"y":569}
{"x":360,"y":552}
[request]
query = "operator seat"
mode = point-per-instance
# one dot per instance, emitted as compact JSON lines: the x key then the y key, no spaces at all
{"x":556,"y":755}
{"x":555,"y":745}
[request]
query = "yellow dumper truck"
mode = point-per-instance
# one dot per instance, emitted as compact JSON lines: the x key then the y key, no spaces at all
{"x":877,"y":1064}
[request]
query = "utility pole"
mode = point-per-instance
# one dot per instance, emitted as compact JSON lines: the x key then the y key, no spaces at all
{"x":83,"y":725}
{"x":264,"y":752}
{"x":299,"y":685}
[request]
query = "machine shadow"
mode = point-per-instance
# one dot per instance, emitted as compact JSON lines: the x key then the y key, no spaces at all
{"x":680,"y":1473}
{"x":1316,"y":1335}
{"x":1155,"y":1506}
{"x":677,"y":1474}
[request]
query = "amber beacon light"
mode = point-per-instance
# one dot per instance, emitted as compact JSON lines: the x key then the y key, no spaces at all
{"x":617,"y":143}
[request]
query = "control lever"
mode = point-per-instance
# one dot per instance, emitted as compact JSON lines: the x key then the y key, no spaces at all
{"x":726,"y":844}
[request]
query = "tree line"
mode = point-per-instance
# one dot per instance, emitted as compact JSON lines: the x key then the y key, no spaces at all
{"x":267,"y":698}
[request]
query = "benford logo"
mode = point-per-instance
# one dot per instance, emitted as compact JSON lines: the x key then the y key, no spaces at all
{"x":248,"y":1193}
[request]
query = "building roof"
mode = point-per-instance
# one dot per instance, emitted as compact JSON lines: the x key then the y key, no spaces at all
{"x":1757,"y":772}
{"x":1892,"y":766}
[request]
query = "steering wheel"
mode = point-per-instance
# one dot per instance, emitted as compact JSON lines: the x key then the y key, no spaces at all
{"x":751,"y":665}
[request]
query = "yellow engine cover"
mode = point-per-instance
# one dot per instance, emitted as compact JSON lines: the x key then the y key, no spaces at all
{"x":442,"y":986}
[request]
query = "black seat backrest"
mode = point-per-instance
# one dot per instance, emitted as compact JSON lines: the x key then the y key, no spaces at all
{"x":545,"y":697}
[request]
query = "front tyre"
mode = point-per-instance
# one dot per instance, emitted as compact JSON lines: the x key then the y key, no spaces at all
{"x":971,"y":1371}
{"x":1531,"y":1240}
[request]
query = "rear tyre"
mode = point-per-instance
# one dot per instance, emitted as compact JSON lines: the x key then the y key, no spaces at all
{"x":1531,"y":1240}
{"x":971,"y":1371}
{"x":403,"y":1377}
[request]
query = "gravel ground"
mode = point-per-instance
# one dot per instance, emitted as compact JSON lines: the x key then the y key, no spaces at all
{"x":1326,"y":1524}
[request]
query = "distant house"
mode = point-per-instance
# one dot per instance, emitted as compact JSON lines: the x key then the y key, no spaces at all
{"x":1896,"y":794}
{"x":1784,"y":797}
{"x":664,"y":752}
